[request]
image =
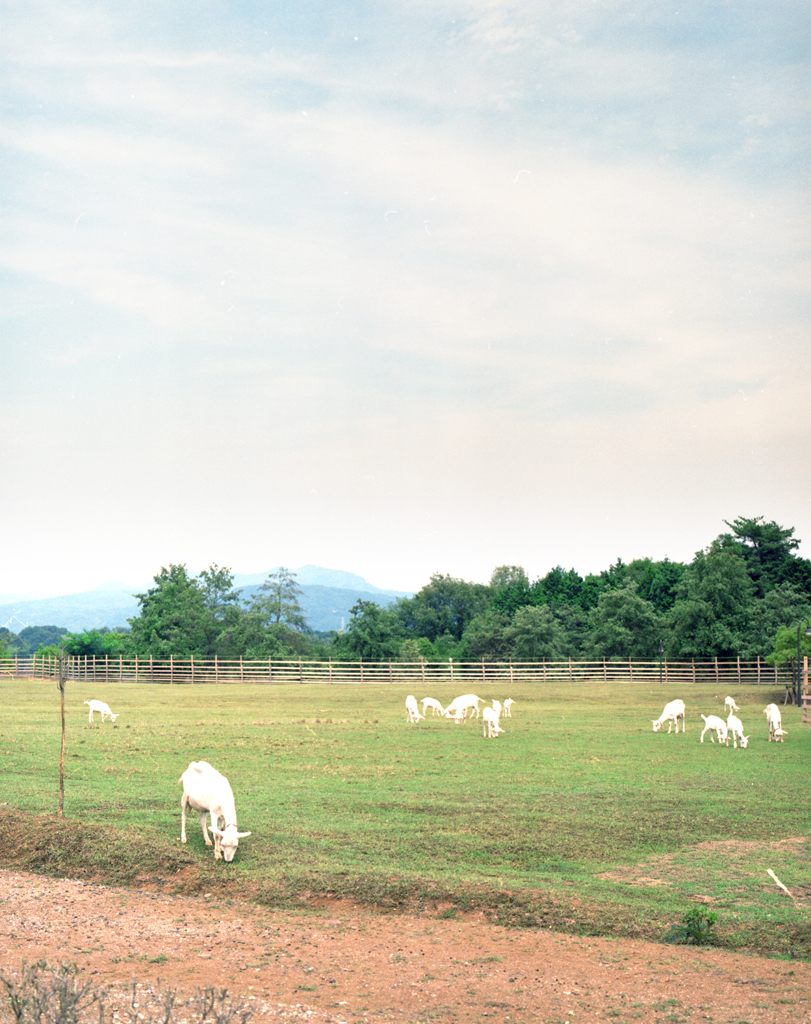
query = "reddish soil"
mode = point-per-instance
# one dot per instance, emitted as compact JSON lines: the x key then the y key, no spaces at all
{"x":341,"y":964}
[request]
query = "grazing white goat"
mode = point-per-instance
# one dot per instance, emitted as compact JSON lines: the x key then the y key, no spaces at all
{"x":99,"y":705}
{"x":672,"y":713}
{"x":508,"y":703}
{"x":497,"y":708}
{"x":779,"y":734}
{"x":735,"y":730}
{"x":412,"y":711}
{"x":490,"y":724}
{"x":730,"y":705}
{"x":772,"y":713}
{"x":206,"y":791}
{"x":715,"y":725}
{"x":459,"y":707}
{"x":433,"y":704}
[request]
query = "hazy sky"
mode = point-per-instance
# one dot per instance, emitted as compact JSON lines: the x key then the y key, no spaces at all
{"x":399,"y":288}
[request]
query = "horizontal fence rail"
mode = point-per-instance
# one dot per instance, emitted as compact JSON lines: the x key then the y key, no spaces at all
{"x":467,"y":675}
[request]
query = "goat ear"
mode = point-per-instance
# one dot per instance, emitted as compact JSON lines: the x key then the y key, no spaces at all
{"x":216,"y":832}
{"x":243,"y":835}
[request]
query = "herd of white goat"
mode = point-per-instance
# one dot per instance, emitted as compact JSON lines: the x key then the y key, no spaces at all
{"x":206,"y":791}
{"x":716,"y":726}
{"x":458,"y":709}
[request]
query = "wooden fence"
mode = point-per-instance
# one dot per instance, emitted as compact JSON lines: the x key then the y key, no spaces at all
{"x":466,"y":675}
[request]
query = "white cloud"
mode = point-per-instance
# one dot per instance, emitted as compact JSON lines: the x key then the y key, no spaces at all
{"x":582,"y":330}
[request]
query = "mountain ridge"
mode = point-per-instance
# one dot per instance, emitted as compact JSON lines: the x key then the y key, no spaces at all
{"x":326,"y":603}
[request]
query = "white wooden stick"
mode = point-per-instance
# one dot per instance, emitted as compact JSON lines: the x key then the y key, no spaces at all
{"x":774,"y":876}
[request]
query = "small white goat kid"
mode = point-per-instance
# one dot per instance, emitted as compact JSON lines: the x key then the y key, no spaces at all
{"x":508,"y":703}
{"x":412,"y":711}
{"x":735,"y":730}
{"x":672,"y":713}
{"x":772,"y":713}
{"x":730,"y":705}
{"x":206,"y":791}
{"x":490,"y":725}
{"x":433,"y":704}
{"x":99,"y":705}
{"x":715,"y":725}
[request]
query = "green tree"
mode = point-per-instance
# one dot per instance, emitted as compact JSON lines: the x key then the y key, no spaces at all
{"x":560,"y":586}
{"x":30,"y":639}
{"x":278,"y":600}
{"x":445,"y":606}
{"x":785,"y":645}
{"x":767,"y":550}
{"x":485,"y":638}
{"x":658,"y":582}
{"x":536,"y":635}
{"x":784,"y":606}
{"x":223,"y":611}
{"x":511,"y":589}
{"x":624,"y":625}
{"x":715,"y":596}
{"x":98,"y":642}
{"x":173,"y":618}
{"x":273,"y":625}
{"x":372,"y":634}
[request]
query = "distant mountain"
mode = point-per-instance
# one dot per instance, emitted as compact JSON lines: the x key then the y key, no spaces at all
{"x":327,"y":597}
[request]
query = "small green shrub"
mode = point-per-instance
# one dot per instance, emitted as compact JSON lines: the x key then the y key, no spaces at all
{"x":695,"y":928}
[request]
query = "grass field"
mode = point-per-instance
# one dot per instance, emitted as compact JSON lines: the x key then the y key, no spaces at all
{"x":579,"y":817}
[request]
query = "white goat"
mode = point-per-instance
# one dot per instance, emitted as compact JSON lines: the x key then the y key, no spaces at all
{"x":672,"y":713}
{"x":508,"y":703}
{"x":433,"y":704}
{"x":206,"y":791}
{"x":735,"y":730}
{"x":99,"y":705}
{"x":412,"y":711}
{"x":497,"y":708}
{"x":459,"y":707}
{"x":779,"y":734}
{"x":715,"y":725}
{"x":730,"y":705}
{"x":772,"y":713}
{"x":490,"y":724}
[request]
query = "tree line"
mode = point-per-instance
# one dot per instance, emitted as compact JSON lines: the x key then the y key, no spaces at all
{"x":743,"y":595}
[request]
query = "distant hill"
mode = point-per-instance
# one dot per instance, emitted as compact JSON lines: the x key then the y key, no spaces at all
{"x":327,"y":597}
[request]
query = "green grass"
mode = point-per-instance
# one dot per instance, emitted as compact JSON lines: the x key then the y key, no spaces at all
{"x":579,"y":817}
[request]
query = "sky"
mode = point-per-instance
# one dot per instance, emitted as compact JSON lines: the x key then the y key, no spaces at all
{"x":400,"y":289}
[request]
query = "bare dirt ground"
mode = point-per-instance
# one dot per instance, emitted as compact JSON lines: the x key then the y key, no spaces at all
{"x":341,"y":964}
